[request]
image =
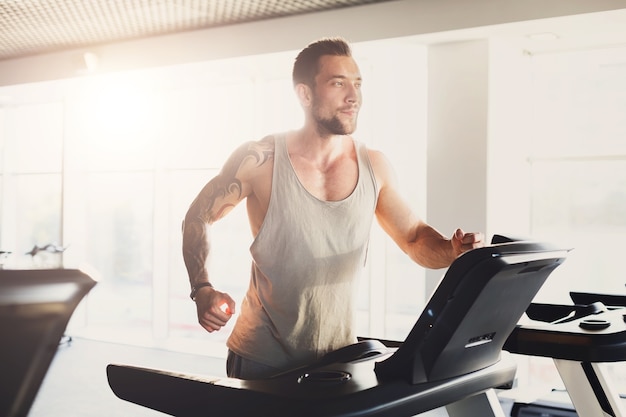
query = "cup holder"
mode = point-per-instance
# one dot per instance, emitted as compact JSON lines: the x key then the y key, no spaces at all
{"x":324,"y":378}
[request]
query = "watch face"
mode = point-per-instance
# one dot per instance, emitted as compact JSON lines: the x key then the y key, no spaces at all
{"x":192,"y":295}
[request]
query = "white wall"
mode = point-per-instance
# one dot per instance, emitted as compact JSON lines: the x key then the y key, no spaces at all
{"x":509,"y":141}
{"x":457,"y":138}
{"x":457,"y":134}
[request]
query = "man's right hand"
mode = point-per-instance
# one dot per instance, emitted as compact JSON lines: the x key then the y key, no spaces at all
{"x":214,"y":308}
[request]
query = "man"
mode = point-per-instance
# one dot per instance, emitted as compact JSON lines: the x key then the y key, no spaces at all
{"x":311,"y":197}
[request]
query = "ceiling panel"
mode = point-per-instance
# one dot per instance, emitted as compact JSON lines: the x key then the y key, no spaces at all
{"x":30,"y":27}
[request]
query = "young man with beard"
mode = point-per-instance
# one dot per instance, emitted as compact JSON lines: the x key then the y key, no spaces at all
{"x":311,"y":196}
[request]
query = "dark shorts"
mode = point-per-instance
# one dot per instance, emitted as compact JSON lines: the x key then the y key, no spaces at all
{"x":239,"y":367}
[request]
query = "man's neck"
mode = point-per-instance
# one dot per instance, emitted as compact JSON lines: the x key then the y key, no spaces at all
{"x":326,"y":167}
{"x":309,"y":144}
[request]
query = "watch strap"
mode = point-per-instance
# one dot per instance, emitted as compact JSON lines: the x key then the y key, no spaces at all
{"x":195,"y":288}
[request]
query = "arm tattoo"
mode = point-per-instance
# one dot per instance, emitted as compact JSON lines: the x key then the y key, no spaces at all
{"x":224,"y":191}
{"x":214,"y":201}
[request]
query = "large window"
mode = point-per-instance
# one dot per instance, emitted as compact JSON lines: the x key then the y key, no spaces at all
{"x":578,"y":166}
{"x":570,"y":156}
{"x":106,"y":166}
{"x":32,"y":183}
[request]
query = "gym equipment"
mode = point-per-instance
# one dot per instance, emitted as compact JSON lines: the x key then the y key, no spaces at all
{"x":583,"y":339}
{"x":452,"y":357}
{"x":35,"y":307}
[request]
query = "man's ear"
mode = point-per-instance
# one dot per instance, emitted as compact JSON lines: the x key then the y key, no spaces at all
{"x":304,"y":94}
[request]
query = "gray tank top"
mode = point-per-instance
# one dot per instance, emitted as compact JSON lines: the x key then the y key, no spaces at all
{"x":307,"y":258}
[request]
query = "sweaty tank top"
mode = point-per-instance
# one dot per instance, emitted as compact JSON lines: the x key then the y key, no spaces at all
{"x":306,"y":260}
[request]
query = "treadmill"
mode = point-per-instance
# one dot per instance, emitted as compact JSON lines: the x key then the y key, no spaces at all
{"x":452,"y":357}
{"x":35,"y":307}
{"x":583,"y":339}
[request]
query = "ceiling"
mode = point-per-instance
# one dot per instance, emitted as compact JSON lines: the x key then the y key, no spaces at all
{"x":30,"y":27}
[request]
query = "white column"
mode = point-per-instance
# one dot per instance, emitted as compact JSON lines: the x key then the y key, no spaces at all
{"x":457,"y":139}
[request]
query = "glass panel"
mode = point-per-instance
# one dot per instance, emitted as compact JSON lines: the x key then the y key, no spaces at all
{"x":118,"y":244}
{"x":580,"y":103}
{"x":583,"y":204}
{"x":32,"y":216}
{"x":405,"y":293}
{"x":277,"y":108}
{"x":36,"y":143}
{"x":115,"y":122}
{"x":3,"y":135}
{"x":206,"y":123}
{"x":578,"y":168}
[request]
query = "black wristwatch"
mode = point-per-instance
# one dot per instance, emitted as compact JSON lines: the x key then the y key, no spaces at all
{"x":195,"y":288}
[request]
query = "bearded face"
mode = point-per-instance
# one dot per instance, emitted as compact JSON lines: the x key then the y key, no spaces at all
{"x":342,"y":121}
{"x":336,"y":97}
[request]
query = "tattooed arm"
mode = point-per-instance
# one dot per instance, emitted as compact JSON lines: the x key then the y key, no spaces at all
{"x":237,"y":180}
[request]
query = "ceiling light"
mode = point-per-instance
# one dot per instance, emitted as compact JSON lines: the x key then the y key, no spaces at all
{"x":91,"y":61}
{"x":543,"y":36}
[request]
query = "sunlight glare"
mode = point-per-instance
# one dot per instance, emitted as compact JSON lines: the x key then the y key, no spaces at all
{"x":122,"y":116}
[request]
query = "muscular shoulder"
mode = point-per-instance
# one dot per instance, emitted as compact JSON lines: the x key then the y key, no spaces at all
{"x":250,"y":157}
{"x":382,"y":167}
{"x":264,"y":146}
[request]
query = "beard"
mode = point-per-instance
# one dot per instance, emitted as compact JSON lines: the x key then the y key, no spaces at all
{"x":332,"y":125}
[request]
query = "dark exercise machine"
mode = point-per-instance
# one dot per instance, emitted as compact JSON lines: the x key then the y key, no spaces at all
{"x":583,"y":339}
{"x":452,"y":357}
{"x":35,"y":307}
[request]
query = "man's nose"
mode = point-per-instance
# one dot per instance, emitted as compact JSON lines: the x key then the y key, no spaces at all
{"x":352,"y":95}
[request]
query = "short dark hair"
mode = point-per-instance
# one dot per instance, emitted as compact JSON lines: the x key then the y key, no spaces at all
{"x":306,"y":65}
